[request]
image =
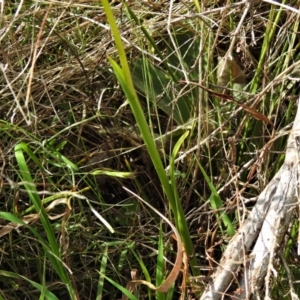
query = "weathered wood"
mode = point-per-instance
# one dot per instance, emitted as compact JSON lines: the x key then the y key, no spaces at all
{"x":265,"y":228}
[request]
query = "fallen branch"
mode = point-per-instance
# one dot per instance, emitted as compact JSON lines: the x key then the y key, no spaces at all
{"x":253,"y":248}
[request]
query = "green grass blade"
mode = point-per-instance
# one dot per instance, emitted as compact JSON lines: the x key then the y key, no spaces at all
{"x":124,"y":77}
{"x":102,"y":271}
{"x":142,"y":265}
{"x":33,"y":194}
{"x":216,"y":203}
{"x":53,"y":254}
{"x":179,"y":213}
{"x":160,"y":266}
{"x":49,"y":295}
{"x":119,"y":44}
{"x":119,"y":287}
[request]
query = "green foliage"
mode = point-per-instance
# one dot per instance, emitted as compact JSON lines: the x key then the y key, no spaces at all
{"x":97,"y":108}
{"x":161,"y":87}
{"x":216,"y":203}
{"x":51,"y":250}
{"x":156,"y":86}
{"x":124,"y":77}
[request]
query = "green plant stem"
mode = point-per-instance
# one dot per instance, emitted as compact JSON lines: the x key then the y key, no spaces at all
{"x":124,"y":77}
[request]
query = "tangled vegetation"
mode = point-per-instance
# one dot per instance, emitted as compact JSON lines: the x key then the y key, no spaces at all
{"x":109,"y":135}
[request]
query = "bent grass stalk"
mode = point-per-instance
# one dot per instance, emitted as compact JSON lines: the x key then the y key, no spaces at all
{"x":51,"y":247}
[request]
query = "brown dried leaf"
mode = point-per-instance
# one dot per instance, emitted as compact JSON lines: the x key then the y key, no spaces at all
{"x":165,"y":286}
{"x":12,"y":225}
{"x":257,"y":115}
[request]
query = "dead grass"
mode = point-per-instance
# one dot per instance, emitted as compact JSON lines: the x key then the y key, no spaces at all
{"x":60,"y":97}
